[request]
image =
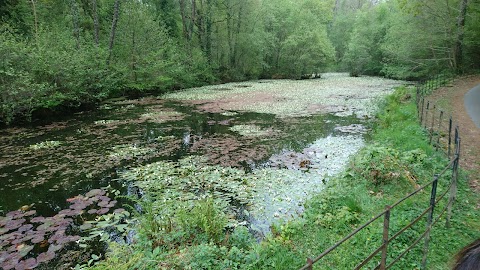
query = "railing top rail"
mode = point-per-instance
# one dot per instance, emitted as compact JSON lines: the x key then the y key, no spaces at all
{"x":426,"y":185}
{"x":342,"y":240}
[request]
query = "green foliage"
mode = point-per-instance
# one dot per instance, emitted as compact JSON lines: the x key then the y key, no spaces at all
{"x":403,"y":39}
{"x":297,"y":40}
{"x":362,"y":56}
{"x":19,"y":90}
{"x":241,"y":238}
{"x":384,"y":165}
{"x":471,"y":42}
{"x":207,"y":218}
{"x":191,"y":180}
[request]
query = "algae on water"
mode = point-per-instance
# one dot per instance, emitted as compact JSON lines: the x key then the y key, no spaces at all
{"x":279,"y":194}
{"x":45,"y":145}
{"x":334,"y":93}
{"x":250,"y":130}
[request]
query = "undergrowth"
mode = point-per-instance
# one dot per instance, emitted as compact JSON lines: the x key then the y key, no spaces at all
{"x":397,"y":160}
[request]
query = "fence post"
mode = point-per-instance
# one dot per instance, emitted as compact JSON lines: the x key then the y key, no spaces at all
{"x":421,"y":114}
{"x":386,"y":225}
{"x":439,"y":129}
{"x":450,"y":122}
{"x":426,"y":113}
{"x":433,"y":124}
{"x":453,"y":188}
{"x":310,"y":264}
{"x":429,"y":220}
{"x":417,"y":101}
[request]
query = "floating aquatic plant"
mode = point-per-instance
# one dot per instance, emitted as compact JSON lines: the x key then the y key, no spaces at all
{"x":21,"y":232}
{"x":128,"y":151}
{"x":280,"y":193}
{"x":250,"y":130}
{"x":229,"y":113}
{"x":161,"y":116}
{"x":190,"y":180}
{"x":106,"y":122}
{"x":332,"y":94}
{"x":353,"y":128}
{"x":45,"y":145}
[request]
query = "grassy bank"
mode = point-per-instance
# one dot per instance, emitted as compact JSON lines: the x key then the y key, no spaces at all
{"x":198,"y":234}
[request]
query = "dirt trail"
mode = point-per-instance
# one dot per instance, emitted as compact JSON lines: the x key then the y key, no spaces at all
{"x":451,"y":99}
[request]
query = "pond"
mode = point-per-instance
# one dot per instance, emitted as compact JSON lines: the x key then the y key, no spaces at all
{"x":286,"y":137}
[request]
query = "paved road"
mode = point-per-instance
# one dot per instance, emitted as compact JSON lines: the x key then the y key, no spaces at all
{"x":472,"y":104}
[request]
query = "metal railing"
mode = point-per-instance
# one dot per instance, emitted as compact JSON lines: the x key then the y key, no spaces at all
{"x":435,"y":130}
{"x":432,"y":118}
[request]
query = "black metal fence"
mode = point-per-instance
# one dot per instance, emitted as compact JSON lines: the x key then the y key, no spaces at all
{"x":440,"y":128}
{"x":451,"y":144}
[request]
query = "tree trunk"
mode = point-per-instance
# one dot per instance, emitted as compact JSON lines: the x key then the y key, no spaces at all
{"x":34,"y":9}
{"x":237,"y":33}
{"x":458,"y":50}
{"x":208,"y":34}
{"x":230,"y":36}
{"x":193,"y":18}
{"x":134,"y":58}
{"x":76,"y":29}
{"x":95,"y":22}
{"x":184,"y":20}
{"x":116,"y":11}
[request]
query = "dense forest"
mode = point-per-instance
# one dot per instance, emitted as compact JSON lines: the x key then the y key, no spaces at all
{"x":64,"y":54}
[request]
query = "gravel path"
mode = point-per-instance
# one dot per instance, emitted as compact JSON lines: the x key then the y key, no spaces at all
{"x":472,"y":104}
{"x":452,"y":99}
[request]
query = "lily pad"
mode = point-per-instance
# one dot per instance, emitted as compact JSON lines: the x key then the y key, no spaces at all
{"x":30,"y":263}
{"x":107,"y":204}
{"x":29,"y":213}
{"x":25,"y":228}
{"x":38,"y":219}
{"x":23,"y":249}
{"x":46,"y":225}
{"x":15,"y":214}
{"x":14,"y":224}
{"x":104,"y":198}
{"x":85,"y":226}
{"x":37,"y":239}
{"x":103,"y":211}
{"x":54,"y":248}
{"x":95,"y":192}
{"x":45,"y":256}
{"x":4,"y":220}
{"x":80,"y":205}
{"x":119,"y":210}
{"x":10,"y":263}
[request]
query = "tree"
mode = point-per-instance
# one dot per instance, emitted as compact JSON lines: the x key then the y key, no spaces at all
{"x":458,"y":50}
{"x":471,"y":42}
{"x":96,"y":25}
{"x":116,"y":12}
{"x":297,"y":40}
{"x":75,"y":21}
